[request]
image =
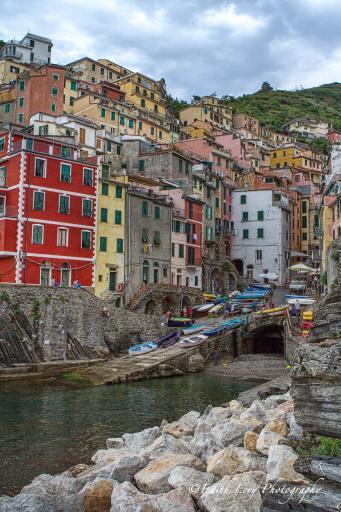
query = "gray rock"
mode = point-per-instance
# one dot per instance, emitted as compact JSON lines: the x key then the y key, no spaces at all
{"x":153,"y":479}
{"x":164,"y":444}
{"x":256,"y":410}
{"x":107,"y":456}
{"x":233,"y":460}
{"x":193,"y":481}
{"x":139,"y":440}
{"x":234,"y":493}
{"x":295,"y":432}
{"x":266,"y":439}
{"x":27,"y":503}
{"x":115,"y":442}
{"x":280,"y":465}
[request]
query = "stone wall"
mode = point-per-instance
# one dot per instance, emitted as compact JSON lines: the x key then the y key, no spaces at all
{"x":66,"y":318}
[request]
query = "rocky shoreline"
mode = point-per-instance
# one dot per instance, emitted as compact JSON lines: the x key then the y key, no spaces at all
{"x":235,"y":458}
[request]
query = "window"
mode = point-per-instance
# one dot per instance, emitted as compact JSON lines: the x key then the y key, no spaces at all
{"x":40,"y":167}
{"x":53,"y":107}
{"x":304,"y":236}
{"x":157,"y":212}
{"x":87,"y":177}
{"x":66,"y":152}
{"x":72,"y":99}
{"x":190,"y":211}
{"x":304,"y":221}
{"x":2,"y":143}
{"x":155,"y":108}
{"x":165,"y":272}
{"x":243,"y":199}
{"x":122,"y":120}
{"x":104,"y":215}
{"x":103,"y":112}
{"x":118,"y":149}
{"x":22,"y":85}
{"x":54,"y":91}
{"x":181,"y":250}
{"x":180,"y":163}
{"x":152,"y":130}
{"x":105,"y":189}
{"x":141,"y":165}
{"x":145,"y":237}
{"x":87,"y":208}
{"x":143,"y":103}
{"x":140,"y":125}
{"x":62,"y":237}
{"x":3,"y":176}
{"x":21,"y":102}
{"x":196,"y":281}
{"x":131,"y":123}
{"x":187,"y":168}
{"x":245,"y":216}
{"x":113,"y":116}
{"x":260,"y":233}
{"x":20,"y":117}
{"x":118,"y":217}
{"x":144,"y":208}
{"x":56,"y":77}
{"x":173,"y":250}
{"x":7,"y":107}
{"x":82,"y":133}
{"x":65,"y":173}
{"x":32,"y":43}
{"x":277,"y":197}
{"x":103,"y":242}
{"x":86,"y":240}
{"x":64,"y":204}
{"x":37,"y":234}
{"x":102,"y":71}
{"x":119,"y":191}
{"x":258,"y":255}
{"x":260,"y":215}
{"x":119,"y":245}
{"x":93,"y":67}
{"x":191,"y":256}
{"x":245,"y":233}
{"x":157,"y":238}
{"x":43,"y":130}
{"x":38,"y":200}
{"x":304,"y":207}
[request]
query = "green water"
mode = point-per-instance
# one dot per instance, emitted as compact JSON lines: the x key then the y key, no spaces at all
{"x":48,"y":428}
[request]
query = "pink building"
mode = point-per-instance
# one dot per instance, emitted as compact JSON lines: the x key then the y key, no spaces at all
{"x":233,"y":144}
{"x":334,"y":136}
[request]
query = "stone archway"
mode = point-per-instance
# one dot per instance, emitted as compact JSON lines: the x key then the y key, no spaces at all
{"x":168,"y":304}
{"x":267,"y":339}
{"x":186,"y":301}
{"x":150,"y":307}
{"x":239,"y":266}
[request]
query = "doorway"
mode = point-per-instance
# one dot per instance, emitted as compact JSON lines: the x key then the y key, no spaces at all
{"x":65,"y":275}
{"x":112,"y":280}
{"x":45,"y":274}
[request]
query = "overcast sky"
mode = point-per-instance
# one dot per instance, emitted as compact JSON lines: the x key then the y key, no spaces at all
{"x":198,"y":46}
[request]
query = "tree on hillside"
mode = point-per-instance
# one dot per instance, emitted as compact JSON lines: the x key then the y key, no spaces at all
{"x":175,"y":105}
{"x":266,"y":87}
{"x":195,"y":99}
{"x":2,"y":43}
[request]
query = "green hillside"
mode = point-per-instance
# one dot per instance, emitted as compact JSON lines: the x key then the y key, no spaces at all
{"x":275,"y":108}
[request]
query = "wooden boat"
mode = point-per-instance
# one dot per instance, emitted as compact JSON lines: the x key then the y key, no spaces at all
{"x":203,"y":310}
{"x":232,"y":324}
{"x":192,"y":329}
{"x":303,"y":302}
{"x":179,"y":322}
{"x":167,"y":341}
{"x":209,"y":296}
{"x":213,"y":331}
{"x":217,"y":309}
{"x":193,"y":341}
{"x":142,"y":348}
{"x":271,"y":312}
{"x":293,"y":296}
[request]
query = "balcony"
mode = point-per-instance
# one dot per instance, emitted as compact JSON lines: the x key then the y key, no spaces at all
{"x":49,"y":148}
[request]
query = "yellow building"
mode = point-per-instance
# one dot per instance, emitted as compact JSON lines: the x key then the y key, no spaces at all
{"x":71,"y":93}
{"x":92,"y":71}
{"x":209,"y":110}
{"x":304,"y":160}
{"x":110,"y":270}
{"x":143,"y":92}
{"x":9,"y":70}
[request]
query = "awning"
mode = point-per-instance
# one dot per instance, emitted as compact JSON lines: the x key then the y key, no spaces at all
{"x":295,"y":254}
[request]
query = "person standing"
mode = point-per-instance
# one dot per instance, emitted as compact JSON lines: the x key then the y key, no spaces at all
{"x":298,"y":308}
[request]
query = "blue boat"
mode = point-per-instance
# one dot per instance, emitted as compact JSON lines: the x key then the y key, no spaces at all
{"x":167,"y":341}
{"x":292,"y":296}
{"x":194,"y":329}
{"x":142,"y":348}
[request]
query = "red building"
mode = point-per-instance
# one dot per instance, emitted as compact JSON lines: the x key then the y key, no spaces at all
{"x":47,"y":212}
{"x":39,"y":90}
{"x":193,"y":214}
{"x":334,"y":136}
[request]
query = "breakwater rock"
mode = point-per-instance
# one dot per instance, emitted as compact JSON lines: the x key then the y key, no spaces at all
{"x":228,"y":459}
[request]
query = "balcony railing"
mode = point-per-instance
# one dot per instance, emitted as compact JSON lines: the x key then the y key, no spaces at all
{"x":49,"y":148}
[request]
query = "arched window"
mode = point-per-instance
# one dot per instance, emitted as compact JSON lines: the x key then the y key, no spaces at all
{"x":65,"y":275}
{"x":145,"y":271}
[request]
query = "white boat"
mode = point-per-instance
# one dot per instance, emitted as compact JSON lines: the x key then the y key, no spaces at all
{"x":192,"y":341}
{"x":302,"y":302}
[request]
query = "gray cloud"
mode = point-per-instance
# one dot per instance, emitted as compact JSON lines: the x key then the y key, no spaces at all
{"x":198,"y":46}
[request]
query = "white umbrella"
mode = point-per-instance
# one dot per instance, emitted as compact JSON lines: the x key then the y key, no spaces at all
{"x":301,"y":267}
{"x":270,"y":275}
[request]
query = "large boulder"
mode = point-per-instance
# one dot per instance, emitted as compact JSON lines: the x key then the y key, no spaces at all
{"x":184,"y":426}
{"x":27,"y":503}
{"x":280,"y":465}
{"x":234,"y":493}
{"x":139,"y":440}
{"x":192,"y":480}
{"x":266,"y":439}
{"x":250,"y":441}
{"x":164,"y":444}
{"x":235,"y":460}
{"x":115,"y":442}
{"x":278,"y":426}
{"x":126,"y":498}
{"x":153,"y":479}
{"x":119,"y":465}
{"x":97,"y":496}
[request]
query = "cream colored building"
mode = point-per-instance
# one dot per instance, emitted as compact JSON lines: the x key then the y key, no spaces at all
{"x":209,"y":110}
{"x":9,"y":70}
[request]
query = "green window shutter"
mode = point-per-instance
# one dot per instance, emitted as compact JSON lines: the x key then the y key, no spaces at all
{"x":73,"y":86}
{"x":20,"y":118}
{"x":104,"y":215}
{"x":260,"y":215}
{"x":181,"y":251}
{"x":87,"y":208}
{"x":145,"y":237}
{"x":21,"y":102}
{"x":217,"y":202}
{"x":118,"y":191}
{"x":151,"y":130}
{"x":22,"y":85}
{"x":260,"y":233}
{"x":65,"y":173}
{"x":64,"y":204}
{"x":87,"y":177}
{"x":7,"y":107}
{"x":143,"y":103}
{"x":53,"y":107}
{"x":103,"y":243}
{"x":144,"y":208}
{"x":3,"y":176}
{"x":105,"y":171}
{"x":187,"y":168}
{"x":118,"y":217}
{"x":118,"y":149}
{"x":243,"y":199}
{"x":245,"y":216}
{"x":180,"y":166}
{"x":102,"y":112}
{"x":72,"y":100}
{"x":177,"y":226}
{"x":37,"y":234}
{"x":113,"y":116}
{"x":141,"y":165}
{"x":131,"y":123}
{"x":86,"y":240}
{"x":66,"y":152}
{"x":245,"y":233}
{"x":157,"y":212}
{"x":304,"y":221}
{"x":2,"y":143}
{"x":39,"y":168}
{"x":173,"y":250}
{"x":140,"y":125}
{"x":122,"y":120}
{"x":119,"y":245}
{"x":38,"y":203}
{"x":105,"y":189}
{"x":157,"y":238}
{"x":109,"y":147}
